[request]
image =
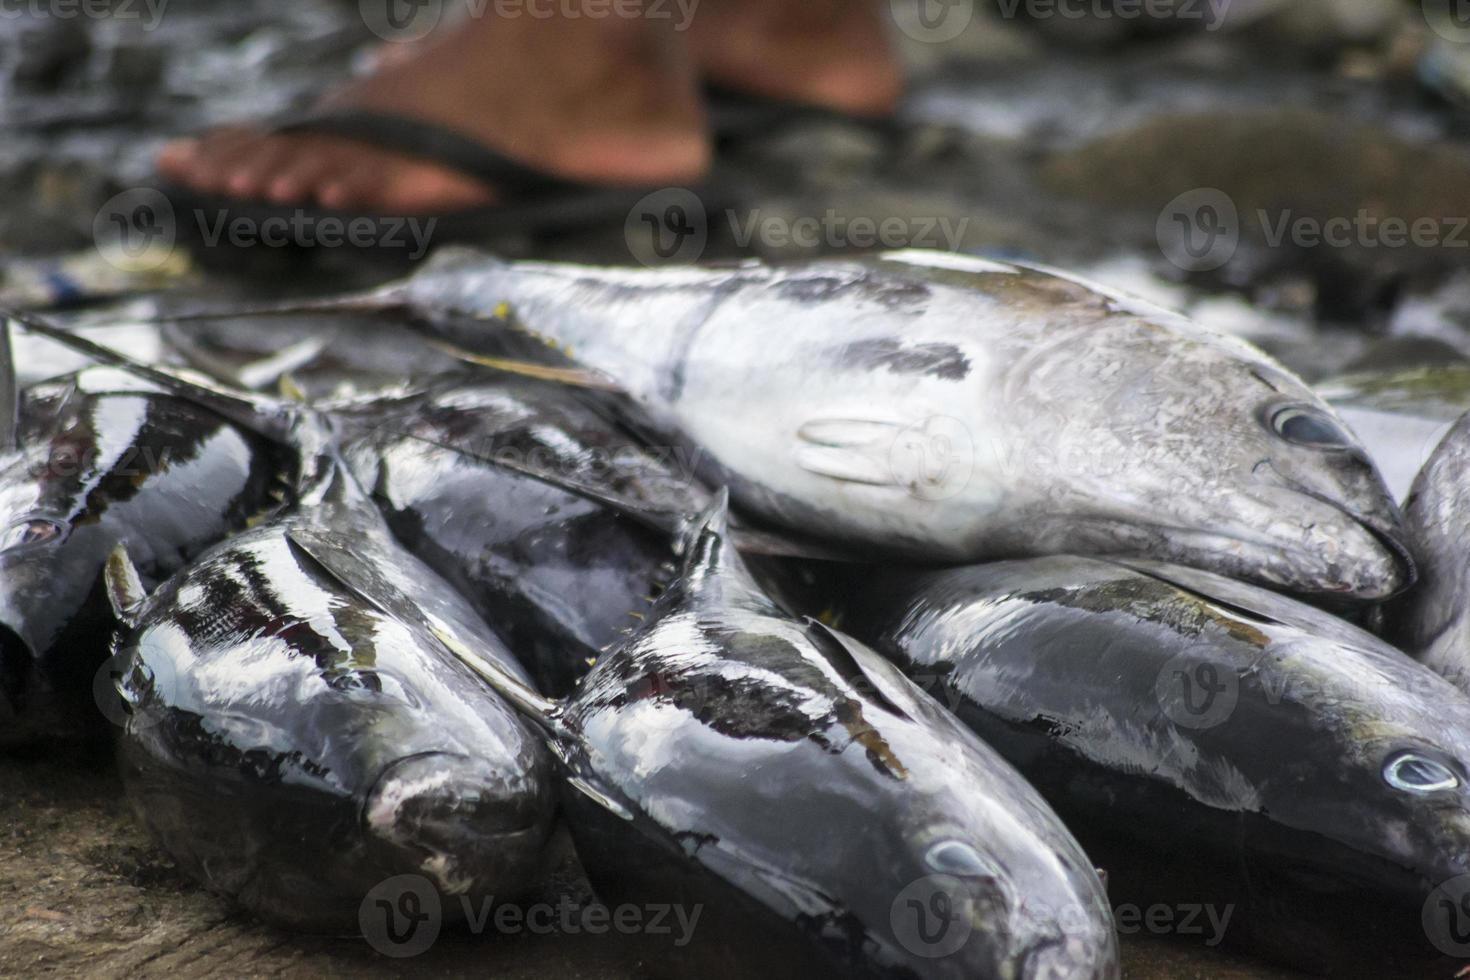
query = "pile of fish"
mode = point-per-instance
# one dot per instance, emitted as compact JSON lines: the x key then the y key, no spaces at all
{"x":904,"y":614}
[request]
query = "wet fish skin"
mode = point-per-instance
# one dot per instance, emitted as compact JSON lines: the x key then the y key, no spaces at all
{"x":734,"y":760}
{"x":295,"y":737}
{"x":103,"y":458}
{"x":1432,"y":622}
{"x":1276,"y":804}
{"x":561,"y":577}
{"x":949,"y":408}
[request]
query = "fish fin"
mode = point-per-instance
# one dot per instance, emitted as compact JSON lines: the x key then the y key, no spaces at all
{"x":883,"y":678}
{"x":259,"y":414}
{"x":1250,"y":602}
{"x":847,"y":433}
{"x":529,"y":702}
{"x":9,"y":394}
{"x":290,"y":390}
{"x":671,"y":521}
{"x":125,"y":592}
{"x":255,"y":375}
{"x":845,"y":465}
{"x":605,"y":800}
{"x":703,"y":544}
{"x":664,"y":520}
{"x":278,"y":366}
{"x":577,"y":377}
{"x":849,"y":450}
{"x":307,"y":556}
{"x":374,"y":301}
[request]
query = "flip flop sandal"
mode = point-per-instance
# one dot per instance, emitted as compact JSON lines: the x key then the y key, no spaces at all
{"x":735,"y":116}
{"x":538,"y":203}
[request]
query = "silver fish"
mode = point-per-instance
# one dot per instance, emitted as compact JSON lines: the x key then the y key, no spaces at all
{"x":1433,"y":621}
{"x":951,"y":408}
{"x":828,"y":818}
{"x":293,"y":735}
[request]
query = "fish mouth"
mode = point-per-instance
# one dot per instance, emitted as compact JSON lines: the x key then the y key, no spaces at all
{"x":1063,"y":960}
{"x":1358,"y":561}
{"x":459,"y":819}
{"x":1381,"y":564}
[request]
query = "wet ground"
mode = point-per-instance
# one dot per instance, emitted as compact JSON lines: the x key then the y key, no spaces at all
{"x":1058,"y":142}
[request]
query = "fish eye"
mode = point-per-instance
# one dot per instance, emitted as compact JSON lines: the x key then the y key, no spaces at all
{"x":1415,"y":773}
{"x":957,"y":858}
{"x":24,"y":534}
{"x":1303,"y":425}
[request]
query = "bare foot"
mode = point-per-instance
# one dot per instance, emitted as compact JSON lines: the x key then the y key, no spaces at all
{"x":610,"y":101}
{"x":833,"y":53}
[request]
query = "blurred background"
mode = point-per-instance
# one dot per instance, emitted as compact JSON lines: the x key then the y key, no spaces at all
{"x":1260,"y":163}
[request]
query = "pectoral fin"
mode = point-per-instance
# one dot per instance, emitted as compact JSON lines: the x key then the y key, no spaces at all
{"x":269,"y":417}
{"x":850,"y":450}
{"x":576,"y":377}
{"x":125,"y":592}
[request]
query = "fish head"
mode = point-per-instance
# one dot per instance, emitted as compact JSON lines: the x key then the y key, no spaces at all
{"x":1001,"y":910}
{"x":993,"y":883}
{"x":46,"y":571}
{"x":1207,"y":455}
{"x":473,"y":823}
{"x":1432,"y":622}
{"x":1381,"y":789}
{"x":99,"y":459}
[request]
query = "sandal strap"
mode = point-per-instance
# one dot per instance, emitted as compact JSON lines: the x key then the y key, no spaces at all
{"x":427,"y":141}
